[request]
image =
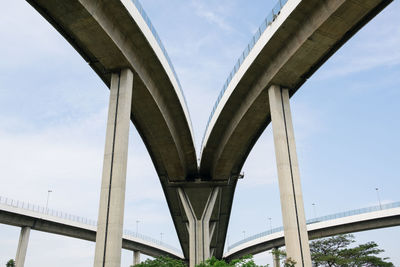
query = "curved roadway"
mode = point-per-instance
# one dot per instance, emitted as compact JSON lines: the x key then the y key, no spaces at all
{"x":116,"y":34}
{"x":341,"y":223}
{"x":38,"y":218}
{"x":301,"y":38}
{"x":287,"y":49}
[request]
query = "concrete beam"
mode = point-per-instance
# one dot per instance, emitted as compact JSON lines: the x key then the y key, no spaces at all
{"x":200,"y":231}
{"x":294,"y":221}
{"x":112,"y":196}
{"x":22,"y":246}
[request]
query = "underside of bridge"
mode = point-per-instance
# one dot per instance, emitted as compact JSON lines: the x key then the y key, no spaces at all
{"x":116,"y":40}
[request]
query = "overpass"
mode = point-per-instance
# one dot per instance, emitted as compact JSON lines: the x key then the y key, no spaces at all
{"x":370,"y":218}
{"x":291,"y":44}
{"x":118,"y":41}
{"x":29,"y":216}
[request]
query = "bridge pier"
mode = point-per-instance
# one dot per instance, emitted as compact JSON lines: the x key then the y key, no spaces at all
{"x":276,"y":257}
{"x":198,"y":211}
{"x":294,"y":222}
{"x":112,"y":196}
{"x":136,"y":257}
{"x":22,"y":246}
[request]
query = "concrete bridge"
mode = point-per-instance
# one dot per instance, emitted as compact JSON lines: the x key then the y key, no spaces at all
{"x":118,"y":41}
{"x":33,"y":217}
{"x":370,"y":218}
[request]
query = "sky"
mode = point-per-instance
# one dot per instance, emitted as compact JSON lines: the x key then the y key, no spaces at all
{"x":53,"y":111}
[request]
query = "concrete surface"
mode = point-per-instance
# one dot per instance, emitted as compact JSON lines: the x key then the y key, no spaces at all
{"x":136,"y":257}
{"x":22,"y":246}
{"x":293,"y":215}
{"x":200,"y":229}
{"x":112,"y":194}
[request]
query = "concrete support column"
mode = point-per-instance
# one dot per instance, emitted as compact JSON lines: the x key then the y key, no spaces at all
{"x":200,"y":230}
{"x":136,"y":257}
{"x":276,"y":257}
{"x":112,"y":196}
{"x":294,"y":222}
{"x":22,"y":246}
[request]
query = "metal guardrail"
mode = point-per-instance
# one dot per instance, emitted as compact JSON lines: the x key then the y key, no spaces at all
{"x":321,"y":219}
{"x":63,"y":215}
{"x":268,"y":20}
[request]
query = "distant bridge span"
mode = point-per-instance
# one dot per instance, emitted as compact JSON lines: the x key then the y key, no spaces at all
{"x":18,"y":213}
{"x":370,"y":218}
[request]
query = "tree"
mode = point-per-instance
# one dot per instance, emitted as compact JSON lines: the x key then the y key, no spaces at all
{"x":10,"y":263}
{"x":162,"y":262}
{"x":246,"y":261}
{"x":334,"y":251}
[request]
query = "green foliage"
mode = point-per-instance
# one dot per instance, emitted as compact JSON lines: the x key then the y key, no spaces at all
{"x":246,"y":261}
{"x":287,"y":262}
{"x":10,"y":263}
{"x":334,"y":251}
{"x":162,"y":262}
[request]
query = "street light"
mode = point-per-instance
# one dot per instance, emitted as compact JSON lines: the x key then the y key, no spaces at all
{"x":315,"y":212}
{"x":161,"y":234}
{"x":47,"y":201}
{"x":379,"y":199}
{"x":137,"y":226}
{"x":270,"y":224}
{"x":244,"y":234}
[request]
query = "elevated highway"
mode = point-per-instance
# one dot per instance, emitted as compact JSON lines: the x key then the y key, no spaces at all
{"x":364,"y":219}
{"x":115,"y":35}
{"x":38,"y":218}
{"x":288,"y":48}
{"x":118,"y":41}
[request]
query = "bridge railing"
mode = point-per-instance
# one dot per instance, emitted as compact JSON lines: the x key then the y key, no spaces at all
{"x":321,"y":219}
{"x":43,"y":210}
{"x":74,"y":218}
{"x":267,"y":21}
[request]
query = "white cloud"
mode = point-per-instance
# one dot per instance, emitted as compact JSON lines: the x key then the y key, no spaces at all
{"x":212,"y":17}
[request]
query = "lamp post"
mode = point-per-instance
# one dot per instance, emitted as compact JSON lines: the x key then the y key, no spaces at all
{"x":161,"y":234}
{"x":47,"y":201}
{"x":379,"y":199}
{"x":314,"y":209}
{"x":244,"y":234}
{"x":270,"y":224}
{"x":137,"y":226}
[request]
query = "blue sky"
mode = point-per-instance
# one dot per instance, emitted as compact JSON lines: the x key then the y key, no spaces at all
{"x":53,"y":115}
